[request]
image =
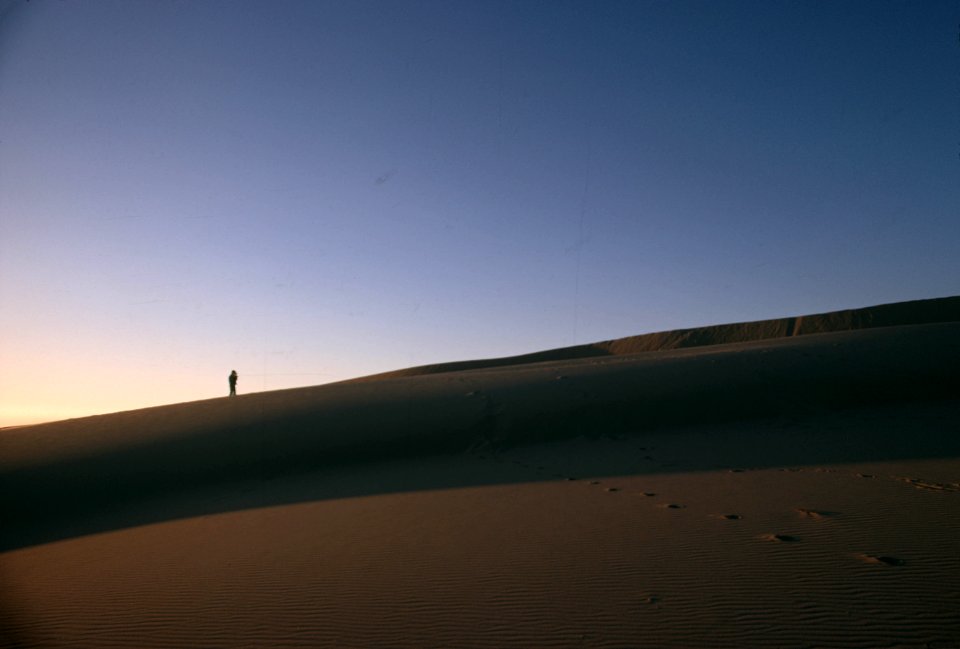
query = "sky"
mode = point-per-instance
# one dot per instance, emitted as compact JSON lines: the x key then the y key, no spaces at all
{"x":312,"y":191}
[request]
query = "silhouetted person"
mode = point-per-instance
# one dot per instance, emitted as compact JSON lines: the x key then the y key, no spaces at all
{"x":233,"y":383}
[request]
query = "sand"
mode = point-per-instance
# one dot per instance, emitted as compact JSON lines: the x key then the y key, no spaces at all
{"x":885,"y":315}
{"x":800,"y":491}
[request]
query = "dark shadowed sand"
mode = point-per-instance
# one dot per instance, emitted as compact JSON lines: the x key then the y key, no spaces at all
{"x":792,"y":483}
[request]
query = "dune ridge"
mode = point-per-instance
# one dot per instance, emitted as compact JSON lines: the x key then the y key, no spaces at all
{"x":302,"y":429}
{"x":946,"y":309}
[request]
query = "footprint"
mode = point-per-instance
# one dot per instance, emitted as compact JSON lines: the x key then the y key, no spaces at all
{"x":649,"y":494}
{"x":882,"y":560}
{"x":612,"y":489}
{"x":781,"y":538}
{"x":731,"y":517}
{"x":864,"y":475}
{"x":815,"y":514}
{"x":673,"y":506}
{"x":931,"y":486}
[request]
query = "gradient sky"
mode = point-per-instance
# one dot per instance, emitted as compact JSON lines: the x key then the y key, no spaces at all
{"x":311,"y":191}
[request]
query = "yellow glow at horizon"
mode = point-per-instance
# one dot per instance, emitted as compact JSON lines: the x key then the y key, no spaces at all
{"x":29,"y":397}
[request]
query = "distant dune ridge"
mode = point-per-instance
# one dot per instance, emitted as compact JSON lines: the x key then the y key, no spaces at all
{"x":784,"y":483}
{"x":885,"y":315}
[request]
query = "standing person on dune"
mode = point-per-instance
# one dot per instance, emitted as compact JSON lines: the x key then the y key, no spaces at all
{"x":232,"y":379}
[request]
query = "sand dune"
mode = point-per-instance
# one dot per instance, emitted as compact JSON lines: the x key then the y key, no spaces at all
{"x":797,"y":488}
{"x":884,"y":315}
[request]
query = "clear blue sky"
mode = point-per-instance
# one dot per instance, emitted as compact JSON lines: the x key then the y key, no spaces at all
{"x":311,"y":191}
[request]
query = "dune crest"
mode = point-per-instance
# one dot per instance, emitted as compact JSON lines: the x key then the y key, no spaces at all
{"x":915,"y":312}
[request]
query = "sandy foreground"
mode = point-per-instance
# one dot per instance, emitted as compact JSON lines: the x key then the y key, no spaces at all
{"x":795,"y":492}
{"x":680,"y":539}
